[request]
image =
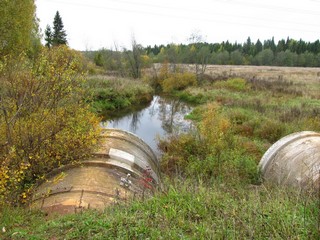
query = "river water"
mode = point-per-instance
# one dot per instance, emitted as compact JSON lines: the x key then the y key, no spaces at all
{"x":164,"y":116}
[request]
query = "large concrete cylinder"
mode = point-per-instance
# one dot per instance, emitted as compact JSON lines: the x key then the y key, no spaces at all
{"x":294,"y":161}
{"x":124,"y":167}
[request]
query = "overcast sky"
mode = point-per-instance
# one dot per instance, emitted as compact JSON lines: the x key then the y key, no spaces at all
{"x":93,"y":24}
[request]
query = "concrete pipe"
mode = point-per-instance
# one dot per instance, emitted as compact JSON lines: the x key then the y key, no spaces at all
{"x":123,"y":168}
{"x":294,"y":161}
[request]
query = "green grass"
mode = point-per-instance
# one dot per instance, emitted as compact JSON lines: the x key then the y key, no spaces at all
{"x":185,"y":210}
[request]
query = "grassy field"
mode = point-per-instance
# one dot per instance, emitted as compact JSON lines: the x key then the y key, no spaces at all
{"x":211,"y":186}
{"x":308,"y":77}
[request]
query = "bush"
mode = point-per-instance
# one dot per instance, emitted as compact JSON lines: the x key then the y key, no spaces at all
{"x":117,"y":93}
{"x":213,"y":154}
{"x":178,"y":152}
{"x":271,"y":130}
{"x":215,"y":129}
{"x":178,"y":81}
{"x":43,"y":121}
{"x":186,"y":96}
{"x":235,"y":84}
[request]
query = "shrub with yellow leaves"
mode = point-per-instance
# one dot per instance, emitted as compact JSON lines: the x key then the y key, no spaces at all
{"x":178,"y":81}
{"x":215,"y":129}
{"x":44,"y":122}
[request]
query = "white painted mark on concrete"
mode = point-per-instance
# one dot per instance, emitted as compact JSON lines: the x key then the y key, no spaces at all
{"x":121,"y":155}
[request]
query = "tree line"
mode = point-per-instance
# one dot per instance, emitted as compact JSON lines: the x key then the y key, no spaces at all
{"x":128,"y":62}
{"x":289,"y":52}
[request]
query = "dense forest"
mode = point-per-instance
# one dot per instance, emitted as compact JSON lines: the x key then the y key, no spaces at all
{"x":289,"y":52}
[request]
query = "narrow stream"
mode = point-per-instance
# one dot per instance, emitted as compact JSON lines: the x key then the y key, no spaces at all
{"x":164,"y":116}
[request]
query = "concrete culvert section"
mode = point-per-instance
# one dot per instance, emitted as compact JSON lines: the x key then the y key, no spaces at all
{"x":294,"y":161}
{"x":123,"y":168}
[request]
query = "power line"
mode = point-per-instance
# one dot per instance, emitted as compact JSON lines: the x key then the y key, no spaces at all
{"x":271,"y":7}
{"x":238,"y":2}
{"x":212,"y":19}
{"x":184,"y":17}
{"x":209,"y":13}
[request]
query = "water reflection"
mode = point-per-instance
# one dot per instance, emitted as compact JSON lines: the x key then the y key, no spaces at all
{"x":162,"y":117}
{"x":171,"y":114}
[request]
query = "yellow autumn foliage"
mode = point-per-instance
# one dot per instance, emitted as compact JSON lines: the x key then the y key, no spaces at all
{"x":44,"y":122}
{"x":215,"y":128}
{"x":178,"y":81}
{"x":171,"y":78}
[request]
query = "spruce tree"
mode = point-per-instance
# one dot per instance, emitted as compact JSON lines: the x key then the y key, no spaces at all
{"x":59,"y":35}
{"x":48,"y":36}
